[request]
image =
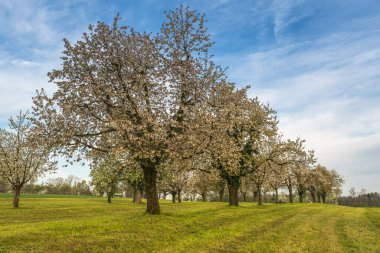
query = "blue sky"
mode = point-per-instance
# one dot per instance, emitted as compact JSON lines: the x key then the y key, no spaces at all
{"x":316,"y":62}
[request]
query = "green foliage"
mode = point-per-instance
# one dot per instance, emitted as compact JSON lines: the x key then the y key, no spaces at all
{"x":91,"y":225}
{"x":105,"y":175}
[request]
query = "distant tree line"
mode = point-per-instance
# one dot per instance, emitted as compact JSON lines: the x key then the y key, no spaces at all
{"x":361,"y":198}
{"x":70,"y":185}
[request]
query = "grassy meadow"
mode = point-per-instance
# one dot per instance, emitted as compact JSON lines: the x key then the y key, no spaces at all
{"x":90,"y":224}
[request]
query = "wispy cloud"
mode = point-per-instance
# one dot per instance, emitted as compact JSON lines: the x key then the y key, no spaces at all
{"x":27,"y":18}
{"x":316,"y":63}
{"x":327,"y":91}
{"x":288,"y":12}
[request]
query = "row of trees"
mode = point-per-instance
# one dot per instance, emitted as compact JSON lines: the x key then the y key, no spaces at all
{"x":67,"y":186}
{"x":157,"y":108}
{"x":316,"y":184}
{"x":360,"y":198}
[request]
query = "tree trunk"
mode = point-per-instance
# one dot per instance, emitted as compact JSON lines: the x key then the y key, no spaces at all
{"x":319,"y":198}
{"x":255,"y":196}
{"x":179,"y":197}
{"x":300,"y":196}
{"x":260,"y":195}
{"x":324,"y":198}
{"x":221,"y":193}
{"x":276,"y":190}
{"x":109,"y":197}
{"x":290,"y":194}
{"x":233,"y":184}
{"x":173,"y":193}
{"x":204,"y":196}
{"x":313,"y":196}
{"x":137,"y":196}
{"x":164,"y":195}
{"x":150,"y":178}
{"x":16,"y":196}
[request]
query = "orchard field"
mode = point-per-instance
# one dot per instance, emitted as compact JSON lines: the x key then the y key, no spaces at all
{"x":75,"y":224}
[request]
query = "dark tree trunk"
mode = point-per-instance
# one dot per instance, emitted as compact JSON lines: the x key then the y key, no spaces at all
{"x":204,"y":196}
{"x":319,"y":198}
{"x":313,"y":196}
{"x":255,"y":196}
{"x":109,"y":197}
{"x":179,"y":197}
{"x":173,"y":193}
{"x":233,"y":184}
{"x":260,"y":195}
{"x":276,"y":195}
{"x":244,"y":197}
{"x":150,"y":178}
{"x":221,"y":193}
{"x":290,"y":194}
{"x":300,"y":196}
{"x":324,"y":195}
{"x":16,"y":196}
{"x":164,"y":195}
{"x":137,"y":196}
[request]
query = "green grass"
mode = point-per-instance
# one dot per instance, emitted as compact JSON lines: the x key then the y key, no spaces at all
{"x":92,"y":225}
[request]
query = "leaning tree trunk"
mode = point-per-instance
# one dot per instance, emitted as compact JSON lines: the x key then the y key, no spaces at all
{"x":137,"y":196}
{"x":16,"y":196}
{"x":173,"y":193}
{"x":150,"y":178}
{"x":179,"y":197}
{"x":290,"y":194}
{"x":233,"y":184}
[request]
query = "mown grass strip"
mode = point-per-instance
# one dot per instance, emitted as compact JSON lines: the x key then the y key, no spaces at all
{"x":92,"y":225}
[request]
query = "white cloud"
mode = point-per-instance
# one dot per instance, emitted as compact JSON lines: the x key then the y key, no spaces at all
{"x":31,"y":33}
{"x":326,"y":90}
{"x":27,"y":18}
{"x":284,"y":14}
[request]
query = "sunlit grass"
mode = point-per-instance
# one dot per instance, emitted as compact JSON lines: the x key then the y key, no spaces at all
{"x":92,"y":225}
